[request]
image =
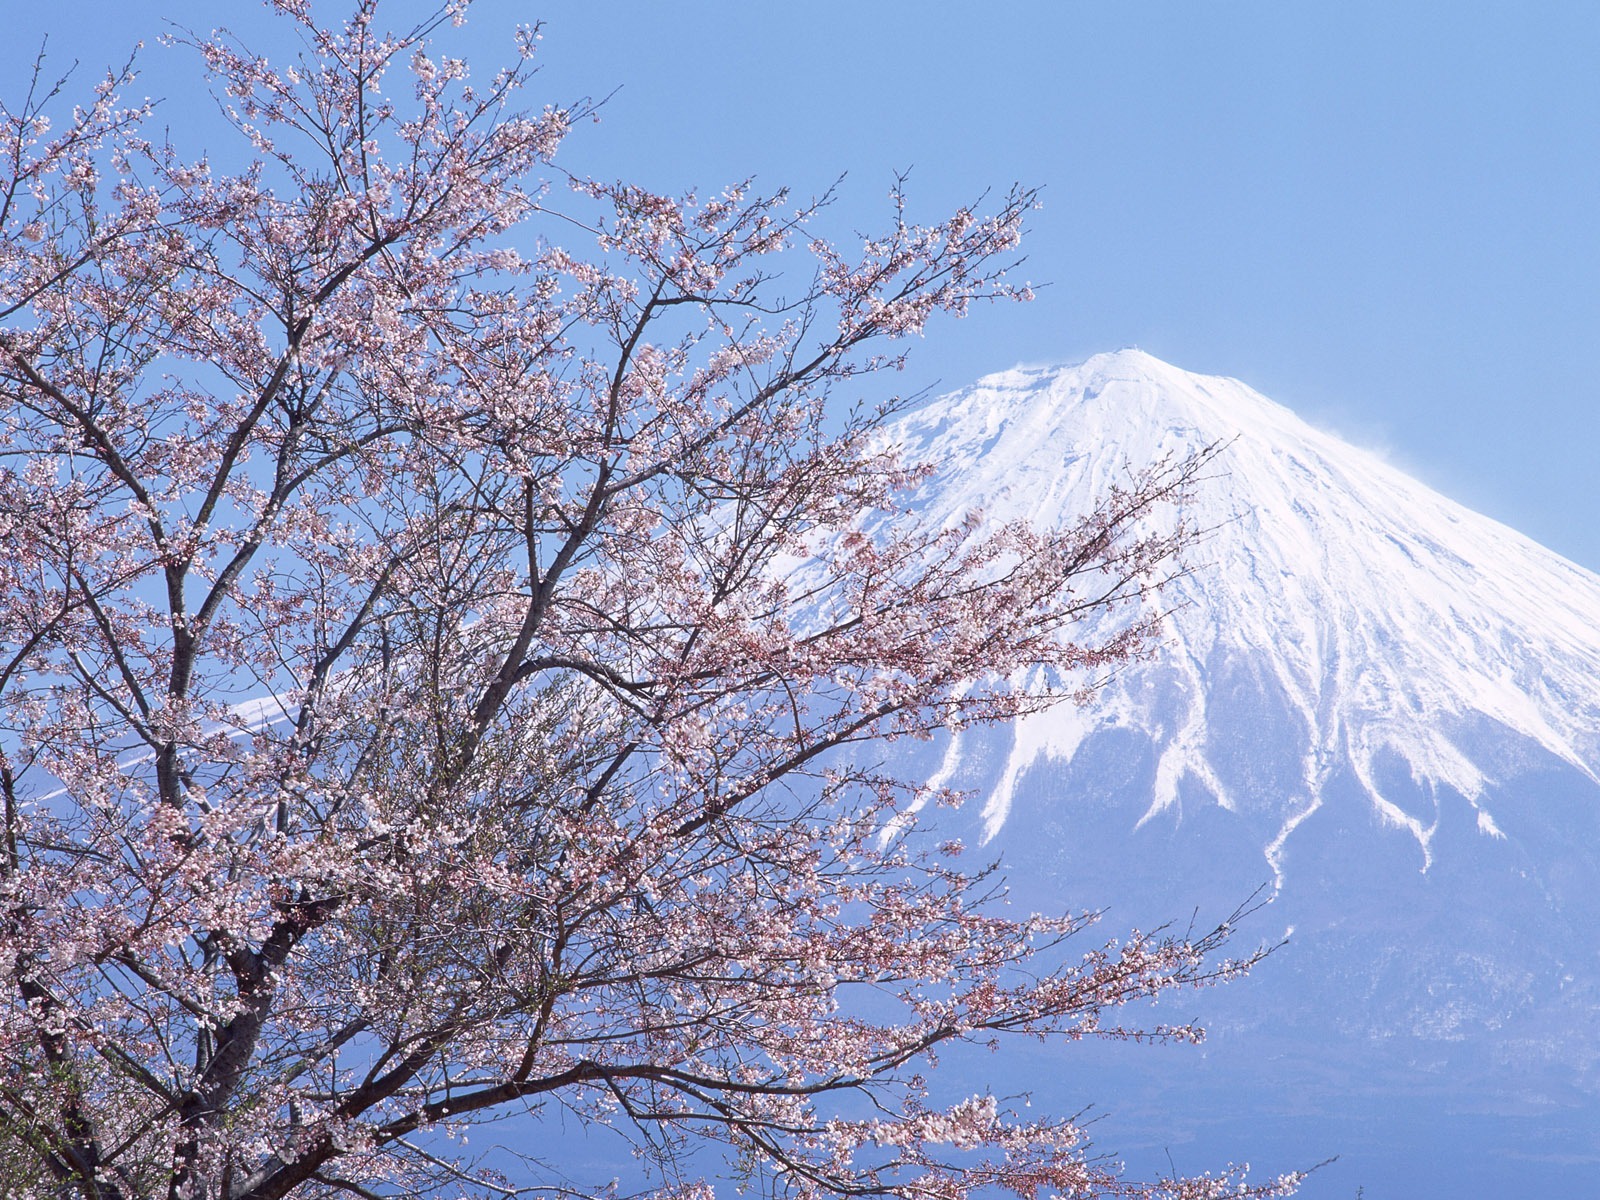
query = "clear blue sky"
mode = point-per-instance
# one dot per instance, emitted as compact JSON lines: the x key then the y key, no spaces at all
{"x":1383,"y":213}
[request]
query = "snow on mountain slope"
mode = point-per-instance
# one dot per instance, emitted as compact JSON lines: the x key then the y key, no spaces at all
{"x":1383,"y":703}
{"x":1386,"y":625}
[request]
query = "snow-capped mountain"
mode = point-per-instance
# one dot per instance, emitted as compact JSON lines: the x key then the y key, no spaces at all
{"x":1378,"y":703}
{"x":1387,"y":624}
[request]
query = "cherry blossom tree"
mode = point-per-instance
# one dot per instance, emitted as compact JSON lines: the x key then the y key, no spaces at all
{"x":451,"y":619}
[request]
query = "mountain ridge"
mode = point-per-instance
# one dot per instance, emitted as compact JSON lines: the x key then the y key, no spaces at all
{"x":1373,"y":700}
{"x":1387,"y":621}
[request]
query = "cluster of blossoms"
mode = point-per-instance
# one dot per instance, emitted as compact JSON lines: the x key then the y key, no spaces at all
{"x":438,"y":611}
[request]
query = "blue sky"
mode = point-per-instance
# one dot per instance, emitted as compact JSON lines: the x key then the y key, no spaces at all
{"x":1383,"y":214}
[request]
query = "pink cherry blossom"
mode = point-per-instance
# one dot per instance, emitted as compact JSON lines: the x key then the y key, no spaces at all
{"x":445,"y":605}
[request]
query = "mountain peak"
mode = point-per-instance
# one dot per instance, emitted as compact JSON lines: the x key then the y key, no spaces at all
{"x":1408,"y":644}
{"x":1129,"y":362}
{"x":1383,"y":702}
{"x":1128,"y":365}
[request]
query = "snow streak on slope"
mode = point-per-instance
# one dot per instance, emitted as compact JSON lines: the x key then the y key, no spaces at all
{"x":1390,"y":622}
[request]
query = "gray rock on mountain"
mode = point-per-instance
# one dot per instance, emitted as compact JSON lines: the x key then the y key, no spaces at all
{"x":1377,"y":703}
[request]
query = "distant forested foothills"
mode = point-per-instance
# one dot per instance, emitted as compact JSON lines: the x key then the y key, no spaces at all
{"x":441,"y":652}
